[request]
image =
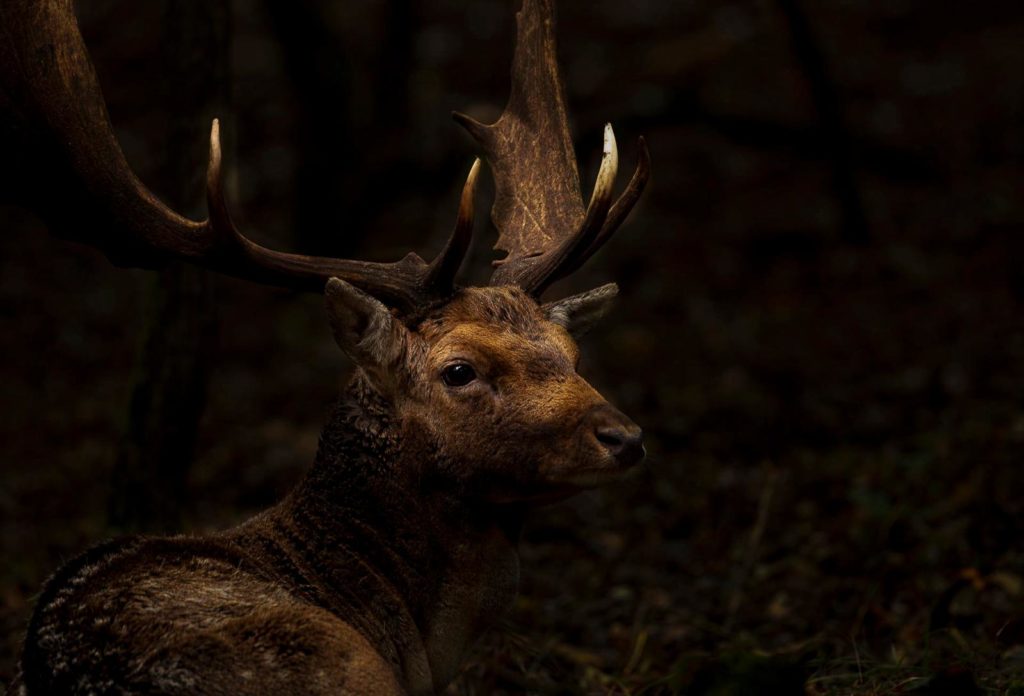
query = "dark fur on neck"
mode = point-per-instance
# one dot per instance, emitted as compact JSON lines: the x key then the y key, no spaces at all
{"x":376,"y":533}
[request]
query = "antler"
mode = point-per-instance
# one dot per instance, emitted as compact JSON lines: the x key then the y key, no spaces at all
{"x":538,"y":207}
{"x":79,"y":182}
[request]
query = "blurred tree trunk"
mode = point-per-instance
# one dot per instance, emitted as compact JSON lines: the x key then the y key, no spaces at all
{"x":828,"y":105}
{"x":319,"y":71}
{"x":342,"y":184}
{"x":171,"y":374}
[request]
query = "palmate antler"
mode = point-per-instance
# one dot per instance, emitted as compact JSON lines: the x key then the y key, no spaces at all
{"x":69,"y":168}
{"x":56,"y":121}
{"x":538,"y":207}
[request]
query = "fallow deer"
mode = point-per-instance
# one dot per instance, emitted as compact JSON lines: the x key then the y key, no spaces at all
{"x":465,"y":410}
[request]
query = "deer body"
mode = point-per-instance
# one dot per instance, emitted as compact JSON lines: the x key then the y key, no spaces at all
{"x":355,"y":583}
{"x":375,"y":574}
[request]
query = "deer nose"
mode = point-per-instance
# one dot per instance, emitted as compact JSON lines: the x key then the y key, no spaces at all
{"x":623,"y":438}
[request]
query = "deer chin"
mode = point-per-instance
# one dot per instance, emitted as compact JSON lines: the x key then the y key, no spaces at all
{"x":545,"y":489}
{"x":547,"y":495}
{"x":597,"y":477}
{"x":607,"y":470}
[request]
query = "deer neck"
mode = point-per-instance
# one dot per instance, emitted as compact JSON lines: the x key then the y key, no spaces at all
{"x":375,"y":535}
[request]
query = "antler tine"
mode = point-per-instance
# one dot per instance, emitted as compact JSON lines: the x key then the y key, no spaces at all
{"x":538,"y":273}
{"x":217,"y":207}
{"x":63,"y":136}
{"x":538,"y":207}
{"x":440,"y":276}
{"x":619,"y":211}
{"x":403,"y":284}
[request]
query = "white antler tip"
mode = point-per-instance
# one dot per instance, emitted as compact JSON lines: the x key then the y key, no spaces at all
{"x":215,"y":142}
{"x":609,"y":140}
{"x":609,"y":165}
{"x":469,"y":188}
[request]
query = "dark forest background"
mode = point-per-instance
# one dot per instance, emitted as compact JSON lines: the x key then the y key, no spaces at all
{"x":821,"y":326}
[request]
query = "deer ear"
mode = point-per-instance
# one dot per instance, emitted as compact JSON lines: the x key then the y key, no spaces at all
{"x":364,"y":328}
{"x":579,"y":313}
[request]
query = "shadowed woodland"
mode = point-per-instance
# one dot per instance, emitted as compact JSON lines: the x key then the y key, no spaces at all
{"x":821,"y":327}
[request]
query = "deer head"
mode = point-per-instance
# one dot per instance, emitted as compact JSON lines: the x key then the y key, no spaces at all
{"x":489,"y":374}
{"x":488,"y":380}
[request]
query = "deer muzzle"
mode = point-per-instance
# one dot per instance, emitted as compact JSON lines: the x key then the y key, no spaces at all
{"x":617,"y":435}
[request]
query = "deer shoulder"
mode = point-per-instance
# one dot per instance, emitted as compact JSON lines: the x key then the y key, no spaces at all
{"x":188,"y":616}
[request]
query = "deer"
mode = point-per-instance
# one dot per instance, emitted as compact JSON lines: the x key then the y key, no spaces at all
{"x":464,"y":411}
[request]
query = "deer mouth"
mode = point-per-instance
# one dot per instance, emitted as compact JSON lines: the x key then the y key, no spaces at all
{"x":615,"y":467}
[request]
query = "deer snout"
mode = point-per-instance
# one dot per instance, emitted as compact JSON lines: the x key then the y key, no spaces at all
{"x":620,"y":437}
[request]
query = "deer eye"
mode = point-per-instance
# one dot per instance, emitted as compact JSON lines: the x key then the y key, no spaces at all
{"x":458,"y":375}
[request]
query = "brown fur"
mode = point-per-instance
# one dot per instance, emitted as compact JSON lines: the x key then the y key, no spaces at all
{"x":396,"y":550}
